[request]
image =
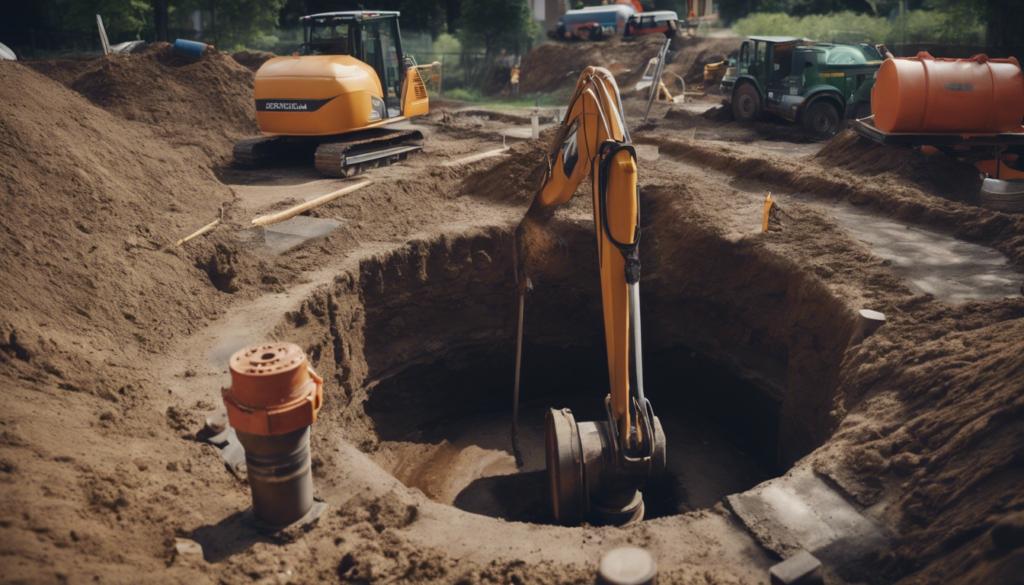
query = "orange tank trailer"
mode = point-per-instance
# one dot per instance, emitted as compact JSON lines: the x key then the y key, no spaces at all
{"x":942,"y":96}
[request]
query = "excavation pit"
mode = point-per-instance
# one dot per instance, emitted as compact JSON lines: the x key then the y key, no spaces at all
{"x":447,"y":425}
{"x":440,"y":320}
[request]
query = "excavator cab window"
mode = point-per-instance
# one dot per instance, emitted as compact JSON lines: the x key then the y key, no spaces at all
{"x":382,"y":51}
{"x":330,"y":36}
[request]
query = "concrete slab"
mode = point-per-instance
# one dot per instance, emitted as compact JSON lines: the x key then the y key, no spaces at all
{"x":284,"y":236}
{"x":799,"y":569}
{"x":801,"y":511}
{"x":950,"y":269}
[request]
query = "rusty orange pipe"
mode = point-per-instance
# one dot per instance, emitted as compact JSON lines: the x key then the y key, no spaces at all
{"x":274,"y":398}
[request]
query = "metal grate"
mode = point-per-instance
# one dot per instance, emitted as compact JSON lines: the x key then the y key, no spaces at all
{"x":419,"y":90}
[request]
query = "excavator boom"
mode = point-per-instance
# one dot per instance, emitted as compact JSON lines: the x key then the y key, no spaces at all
{"x":593,"y":140}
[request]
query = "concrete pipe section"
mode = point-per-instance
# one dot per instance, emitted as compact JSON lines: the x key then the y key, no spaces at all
{"x":274,"y":398}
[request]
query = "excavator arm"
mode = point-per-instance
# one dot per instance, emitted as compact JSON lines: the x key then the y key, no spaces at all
{"x":593,"y":140}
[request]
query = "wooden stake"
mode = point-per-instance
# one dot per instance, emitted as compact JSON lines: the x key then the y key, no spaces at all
{"x":303,"y":207}
{"x":475,"y":157}
{"x":206,"y":228}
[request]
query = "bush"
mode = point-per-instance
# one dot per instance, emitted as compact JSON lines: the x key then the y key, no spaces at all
{"x":464,"y":95}
{"x":923,"y":26}
{"x":446,"y":43}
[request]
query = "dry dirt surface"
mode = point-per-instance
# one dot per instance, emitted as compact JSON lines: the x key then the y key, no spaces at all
{"x":253,"y":60}
{"x":555,"y":65}
{"x":114,"y":341}
{"x":196,"y":103}
{"x":691,"y":54}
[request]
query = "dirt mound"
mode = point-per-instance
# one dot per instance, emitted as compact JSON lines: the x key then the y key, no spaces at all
{"x":555,"y":64}
{"x":889,"y":193}
{"x":518,"y":176}
{"x":937,"y":173}
{"x":252,"y":60}
{"x":720,"y":114}
{"x":689,"y":58}
{"x":106,"y":216}
{"x":205,"y":103}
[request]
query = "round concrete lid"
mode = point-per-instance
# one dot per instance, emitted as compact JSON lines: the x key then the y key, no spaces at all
{"x":628,"y":565}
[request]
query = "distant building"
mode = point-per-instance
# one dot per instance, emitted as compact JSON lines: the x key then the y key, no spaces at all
{"x":547,"y":12}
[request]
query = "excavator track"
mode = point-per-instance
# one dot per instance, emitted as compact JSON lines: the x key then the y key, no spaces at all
{"x":335,"y":156}
{"x":366,"y":150}
{"x":264,"y":150}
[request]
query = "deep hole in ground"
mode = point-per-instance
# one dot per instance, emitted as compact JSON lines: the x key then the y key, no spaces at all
{"x":438,"y":390}
{"x":454,"y":416}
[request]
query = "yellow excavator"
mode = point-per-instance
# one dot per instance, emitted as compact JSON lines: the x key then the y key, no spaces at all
{"x":335,"y":97}
{"x":596,"y":469}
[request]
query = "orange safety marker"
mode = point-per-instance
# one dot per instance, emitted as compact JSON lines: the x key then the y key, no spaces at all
{"x":768,"y":202}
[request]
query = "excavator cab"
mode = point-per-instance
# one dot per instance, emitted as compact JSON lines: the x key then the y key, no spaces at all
{"x":371,"y":37}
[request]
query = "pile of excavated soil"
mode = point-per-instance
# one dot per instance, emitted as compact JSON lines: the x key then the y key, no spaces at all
{"x":203,"y":103}
{"x":890,"y":193}
{"x":692,"y":54}
{"x":93,"y":288}
{"x":556,"y":64}
{"x":936,"y":173}
{"x":92,"y":207}
{"x":522,"y":171}
{"x":252,"y":60}
{"x":934,"y":432}
{"x":927,"y":411}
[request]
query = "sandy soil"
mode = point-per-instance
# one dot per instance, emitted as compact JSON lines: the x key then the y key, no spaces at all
{"x":113,"y":341}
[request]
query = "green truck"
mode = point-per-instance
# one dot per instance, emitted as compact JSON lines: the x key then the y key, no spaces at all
{"x":816,"y":84}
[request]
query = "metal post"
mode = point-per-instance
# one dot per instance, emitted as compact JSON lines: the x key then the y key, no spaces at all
{"x":515,"y":391}
{"x":103,"y":35}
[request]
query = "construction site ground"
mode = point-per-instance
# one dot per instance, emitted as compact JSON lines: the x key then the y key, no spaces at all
{"x":898,"y":458}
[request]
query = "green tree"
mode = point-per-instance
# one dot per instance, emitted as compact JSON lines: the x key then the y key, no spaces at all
{"x":493,"y":25}
{"x":121,"y":18}
{"x":1003,"y":19}
{"x":230,"y":24}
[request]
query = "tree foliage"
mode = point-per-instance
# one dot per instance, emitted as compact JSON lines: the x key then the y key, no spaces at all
{"x":1004,"y":19}
{"x":120,"y":17}
{"x":923,"y":26}
{"x":493,"y":25}
{"x":231,"y":24}
{"x":435,"y":16}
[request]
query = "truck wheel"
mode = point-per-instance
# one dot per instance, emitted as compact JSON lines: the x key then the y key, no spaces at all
{"x":746,"y":103}
{"x":821,"y":120}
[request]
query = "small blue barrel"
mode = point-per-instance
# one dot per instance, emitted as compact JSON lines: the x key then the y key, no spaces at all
{"x":189,"y":48}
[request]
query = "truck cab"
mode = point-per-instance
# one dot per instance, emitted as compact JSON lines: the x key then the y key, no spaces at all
{"x":816,"y":84}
